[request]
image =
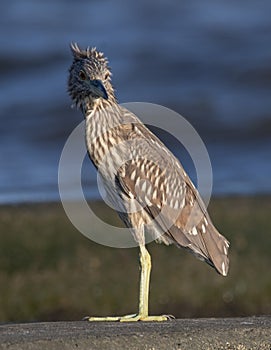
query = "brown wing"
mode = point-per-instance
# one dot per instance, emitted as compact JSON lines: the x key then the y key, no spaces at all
{"x":171,"y":201}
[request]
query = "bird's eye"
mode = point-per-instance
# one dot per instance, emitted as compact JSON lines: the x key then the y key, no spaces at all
{"x":82,"y":75}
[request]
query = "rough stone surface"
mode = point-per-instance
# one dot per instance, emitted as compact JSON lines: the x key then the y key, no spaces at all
{"x":181,"y":334}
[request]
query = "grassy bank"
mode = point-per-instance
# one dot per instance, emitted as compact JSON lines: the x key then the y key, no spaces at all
{"x":49,"y":271}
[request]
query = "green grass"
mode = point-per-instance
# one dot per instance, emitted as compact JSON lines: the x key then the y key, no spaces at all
{"x":49,"y":271}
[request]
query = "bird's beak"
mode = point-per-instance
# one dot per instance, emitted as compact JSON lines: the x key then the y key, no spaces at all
{"x":98,"y":89}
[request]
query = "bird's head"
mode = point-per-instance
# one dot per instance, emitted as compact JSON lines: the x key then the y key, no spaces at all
{"x":89,"y":77}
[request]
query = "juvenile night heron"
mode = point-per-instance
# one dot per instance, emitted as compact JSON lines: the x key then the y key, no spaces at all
{"x":146,"y":183}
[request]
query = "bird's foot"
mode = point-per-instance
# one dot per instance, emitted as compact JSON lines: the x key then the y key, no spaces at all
{"x":147,"y":318}
{"x":130,"y":318}
{"x":107,"y":318}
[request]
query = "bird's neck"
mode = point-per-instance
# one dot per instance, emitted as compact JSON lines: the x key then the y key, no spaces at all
{"x":102,"y":115}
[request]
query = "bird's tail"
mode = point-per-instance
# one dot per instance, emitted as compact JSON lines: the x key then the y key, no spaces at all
{"x":217,"y":247}
{"x":206,"y":243}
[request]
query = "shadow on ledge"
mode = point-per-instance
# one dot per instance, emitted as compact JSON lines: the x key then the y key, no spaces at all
{"x":182,"y":334}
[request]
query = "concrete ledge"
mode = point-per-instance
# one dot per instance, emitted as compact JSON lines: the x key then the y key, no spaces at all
{"x":196,"y":334}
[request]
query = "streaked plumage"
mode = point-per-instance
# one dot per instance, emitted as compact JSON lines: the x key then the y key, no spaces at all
{"x":143,"y":179}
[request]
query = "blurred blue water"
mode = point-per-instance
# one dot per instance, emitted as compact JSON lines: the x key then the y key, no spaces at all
{"x":210,"y":61}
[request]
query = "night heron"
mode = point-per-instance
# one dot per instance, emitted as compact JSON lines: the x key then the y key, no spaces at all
{"x":146,"y":183}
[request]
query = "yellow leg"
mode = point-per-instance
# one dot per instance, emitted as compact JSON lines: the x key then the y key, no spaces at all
{"x":145,"y":271}
{"x":143,"y":314}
